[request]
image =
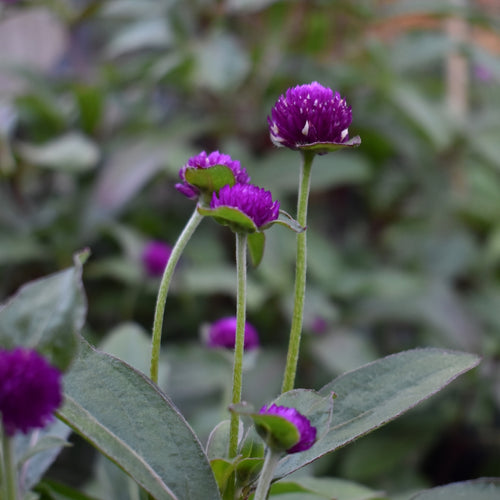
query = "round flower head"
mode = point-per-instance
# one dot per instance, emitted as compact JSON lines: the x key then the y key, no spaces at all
{"x":256,"y":203}
{"x":306,"y":431}
{"x":222,"y":333}
{"x":155,"y":256}
{"x":30,"y":390}
{"x":205,"y":161}
{"x":311,"y":117}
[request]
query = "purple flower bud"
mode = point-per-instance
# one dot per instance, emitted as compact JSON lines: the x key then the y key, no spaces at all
{"x":256,"y":203}
{"x":30,"y":390}
{"x":155,"y":256}
{"x":306,"y":431}
{"x":310,"y":115}
{"x":222,"y":333}
{"x":205,"y":161}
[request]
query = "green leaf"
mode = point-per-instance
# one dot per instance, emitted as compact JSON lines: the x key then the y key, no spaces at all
{"x":278,"y":432}
{"x":256,"y":243}
{"x":43,"y":444}
{"x":125,"y":416}
{"x":285,"y":219}
{"x":46,"y":315}
{"x":232,"y":217}
{"x":210,"y":179}
{"x":57,"y":491}
{"x":478,"y":489}
{"x":376,"y":393}
{"x":222,"y":469}
{"x":47,"y":442}
{"x":328,"y":488}
{"x":330,"y":147}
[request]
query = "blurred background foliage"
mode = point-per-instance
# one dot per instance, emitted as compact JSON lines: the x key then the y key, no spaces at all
{"x":101,"y":103}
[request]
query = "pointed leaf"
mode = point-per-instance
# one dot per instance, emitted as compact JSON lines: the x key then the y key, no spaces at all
{"x":379,"y":392}
{"x":329,"y":147}
{"x":285,"y":219}
{"x":46,"y":315}
{"x":478,"y":489}
{"x":211,"y":178}
{"x":125,"y":416}
{"x":328,"y":488}
{"x":232,"y":217}
{"x":256,"y":243}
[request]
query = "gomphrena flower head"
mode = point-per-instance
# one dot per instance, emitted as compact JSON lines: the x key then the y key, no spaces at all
{"x":222,"y":333}
{"x":255,"y":202}
{"x":307,"y":433}
{"x":204,"y":161}
{"x":155,"y":256}
{"x":311,"y":117}
{"x":30,"y":390}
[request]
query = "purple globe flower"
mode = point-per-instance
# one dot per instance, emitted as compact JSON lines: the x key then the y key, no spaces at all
{"x":155,"y":256}
{"x":205,"y":161}
{"x":311,"y":117}
{"x":255,"y":202}
{"x":306,"y":431}
{"x":222,"y":333}
{"x":30,"y":390}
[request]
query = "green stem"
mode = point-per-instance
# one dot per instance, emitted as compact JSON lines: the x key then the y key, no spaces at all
{"x":300,"y":274}
{"x":179,"y":246}
{"x":241,"y":269}
{"x":266,"y":475}
{"x":9,"y":476}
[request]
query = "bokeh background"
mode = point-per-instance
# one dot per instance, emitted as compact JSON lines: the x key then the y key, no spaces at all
{"x":101,"y":103}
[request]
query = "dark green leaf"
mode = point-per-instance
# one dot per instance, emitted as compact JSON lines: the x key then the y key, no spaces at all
{"x":210,"y":179}
{"x":232,"y":217}
{"x":256,"y":243}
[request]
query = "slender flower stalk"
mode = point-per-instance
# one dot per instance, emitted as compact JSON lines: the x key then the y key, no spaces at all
{"x":266,"y":476}
{"x":179,"y":246}
{"x":300,"y":274}
{"x":241,"y":271}
{"x":9,"y":476}
{"x":312,"y":119}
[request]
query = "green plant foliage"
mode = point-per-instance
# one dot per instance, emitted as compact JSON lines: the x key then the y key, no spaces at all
{"x":124,"y":415}
{"x":480,"y":489}
{"x":377,"y":393}
{"x":47,"y":315}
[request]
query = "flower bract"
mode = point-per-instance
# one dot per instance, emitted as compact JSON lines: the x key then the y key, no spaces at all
{"x":222,"y":333}
{"x":155,"y":256}
{"x":306,"y":432}
{"x":206,"y":161}
{"x":311,"y":117}
{"x":255,"y":203}
{"x":30,"y":390}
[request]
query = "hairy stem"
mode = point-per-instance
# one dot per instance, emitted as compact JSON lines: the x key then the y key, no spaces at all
{"x":179,"y":246}
{"x":266,"y":475}
{"x":300,"y":274}
{"x":241,"y":269}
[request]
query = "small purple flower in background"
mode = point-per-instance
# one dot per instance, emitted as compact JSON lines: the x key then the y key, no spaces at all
{"x":310,"y":115}
{"x":256,"y":203}
{"x":483,"y":73}
{"x":155,"y":257}
{"x":306,"y":431}
{"x":319,"y":325}
{"x":30,"y":390}
{"x":204,"y":160}
{"x":222,"y":333}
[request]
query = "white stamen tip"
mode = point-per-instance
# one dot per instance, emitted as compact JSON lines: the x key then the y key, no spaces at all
{"x":344,"y":133}
{"x":305,"y":130}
